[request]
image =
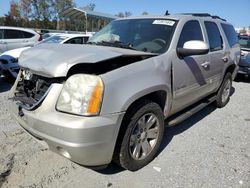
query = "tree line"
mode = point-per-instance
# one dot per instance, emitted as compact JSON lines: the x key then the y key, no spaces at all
{"x":43,"y":13}
{"x":35,"y":13}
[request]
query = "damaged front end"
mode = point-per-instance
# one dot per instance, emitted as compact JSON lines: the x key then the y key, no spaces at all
{"x":31,"y":89}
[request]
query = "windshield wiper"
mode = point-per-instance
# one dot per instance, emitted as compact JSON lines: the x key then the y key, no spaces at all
{"x":118,"y":44}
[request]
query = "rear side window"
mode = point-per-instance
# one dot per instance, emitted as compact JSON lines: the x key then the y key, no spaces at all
{"x":27,"y":34}
{"x":191,"y":31}
{"x":1,"y":34}
{"x":230,"y":34}
{"x":85,"y":39}
{"x":13,"y":34}
{"x":214,"y":37}
{"x":77,"y":40}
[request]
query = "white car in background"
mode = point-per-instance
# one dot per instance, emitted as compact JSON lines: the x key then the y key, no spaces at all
{"x":47,"y":35}
{"x":15,"y":37}
{"x":9,"y":60}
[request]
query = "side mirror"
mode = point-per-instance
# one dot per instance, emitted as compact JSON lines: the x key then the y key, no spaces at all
{"x":193,"y":47}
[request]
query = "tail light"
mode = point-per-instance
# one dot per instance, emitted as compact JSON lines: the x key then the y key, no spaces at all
{"x":242,"y":53}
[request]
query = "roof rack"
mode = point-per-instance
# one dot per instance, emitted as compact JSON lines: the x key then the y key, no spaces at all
{"x":205,"y":15}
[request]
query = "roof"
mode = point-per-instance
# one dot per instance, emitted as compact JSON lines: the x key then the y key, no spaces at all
{"x":72,"y":35}
{"x":177,"y":17}
{"x":19,"y":28}
{"x":79,"y":13}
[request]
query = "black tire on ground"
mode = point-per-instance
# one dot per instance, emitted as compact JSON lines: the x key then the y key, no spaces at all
{"x":145,"y":113}
{"x":223,"y":94}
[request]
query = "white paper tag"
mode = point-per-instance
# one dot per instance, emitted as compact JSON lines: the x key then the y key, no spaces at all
{"x":164,"y":22}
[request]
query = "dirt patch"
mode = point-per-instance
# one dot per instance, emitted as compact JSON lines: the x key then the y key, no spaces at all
{"x":6,"y":167}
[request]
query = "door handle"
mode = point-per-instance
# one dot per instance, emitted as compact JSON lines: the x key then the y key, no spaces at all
{"x":205,"y":65}
{"x":225,"y":59}
{"x":1,"y":42}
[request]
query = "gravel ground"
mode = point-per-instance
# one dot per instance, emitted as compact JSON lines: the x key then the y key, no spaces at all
{"x":210,"y":149}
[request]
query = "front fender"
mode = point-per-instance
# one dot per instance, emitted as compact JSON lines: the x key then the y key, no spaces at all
{"x":125,"y":85}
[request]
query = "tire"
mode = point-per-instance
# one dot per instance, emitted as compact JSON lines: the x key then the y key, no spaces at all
{"x":140,"y":137}
{"x":223,"y":94}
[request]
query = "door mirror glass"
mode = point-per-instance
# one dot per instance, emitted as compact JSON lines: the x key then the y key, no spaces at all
{"x":193,"y":47}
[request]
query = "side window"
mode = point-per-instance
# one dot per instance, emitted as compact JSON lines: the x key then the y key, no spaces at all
{"x":13,"y":34}
{"x":1,"y":33}
{"x":214,"y":37}
{"x":191,"y":31}
{"x":230,"y":34}
{"x":77,"y":40}
{"x":27,"y":34}
{"x":85,"y":39}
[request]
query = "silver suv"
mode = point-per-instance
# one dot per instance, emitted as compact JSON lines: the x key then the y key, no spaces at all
{"x":111,"y":99}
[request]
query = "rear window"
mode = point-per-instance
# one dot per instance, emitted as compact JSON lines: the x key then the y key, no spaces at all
{"x":244,"y":42}
{"x":214,"y":37}
{"x":230,"y":34}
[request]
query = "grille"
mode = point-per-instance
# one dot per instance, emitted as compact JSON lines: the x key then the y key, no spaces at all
{"x":32,"y":89}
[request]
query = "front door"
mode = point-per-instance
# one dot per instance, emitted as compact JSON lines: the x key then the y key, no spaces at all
{"x":190,"y":74}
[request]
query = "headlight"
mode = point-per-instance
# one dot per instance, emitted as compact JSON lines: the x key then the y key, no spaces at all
{"x":82,"y":95}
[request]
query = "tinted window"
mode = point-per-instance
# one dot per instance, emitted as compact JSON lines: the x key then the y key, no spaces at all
{"x":230,"y":34}
{"x":85,"y":39}
{"x":13,"y":34}
{"x":191,"y":31}
{"x":1,"y":34}
{"x":77,"y":40}
{"x":27,"y":34}
{"x":244,"y":42}
{"x":214,"y":37}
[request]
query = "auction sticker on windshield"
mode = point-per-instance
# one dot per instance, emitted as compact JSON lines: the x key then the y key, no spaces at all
{"x":164,"y":22}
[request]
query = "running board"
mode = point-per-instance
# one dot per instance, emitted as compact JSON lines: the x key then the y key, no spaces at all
{"x":186,"y":114}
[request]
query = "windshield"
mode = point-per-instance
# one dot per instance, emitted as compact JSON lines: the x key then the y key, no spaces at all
{"x":148,"y":35}
{"x":244,"y":42}
{"x":54,"y":39}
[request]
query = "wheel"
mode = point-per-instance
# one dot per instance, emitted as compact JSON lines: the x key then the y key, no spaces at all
{"x":223,"y":94}
{"x":142,"y":136}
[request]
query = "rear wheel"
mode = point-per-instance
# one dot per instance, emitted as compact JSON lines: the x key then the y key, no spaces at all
{"x":142,"y":136}
{"x":223,"y":95}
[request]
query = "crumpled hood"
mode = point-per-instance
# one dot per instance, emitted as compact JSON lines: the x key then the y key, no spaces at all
{"x":54,"y":60}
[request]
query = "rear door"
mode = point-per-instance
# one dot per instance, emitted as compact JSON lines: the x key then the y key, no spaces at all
{"x":218,"y":55}
{"x":3,"y":46}
{"x":190,"y":74}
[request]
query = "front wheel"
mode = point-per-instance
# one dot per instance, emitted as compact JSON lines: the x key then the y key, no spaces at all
{"x":143,"y":135}
{"x":223,"y":94}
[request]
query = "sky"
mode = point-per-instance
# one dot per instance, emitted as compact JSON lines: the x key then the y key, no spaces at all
{"x":236,"y":12}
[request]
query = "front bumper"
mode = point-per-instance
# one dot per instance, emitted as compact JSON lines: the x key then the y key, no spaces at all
{"x":89,"y":141}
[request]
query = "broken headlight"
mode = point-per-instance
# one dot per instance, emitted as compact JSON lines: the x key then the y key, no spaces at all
{"x":82,"y":95}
